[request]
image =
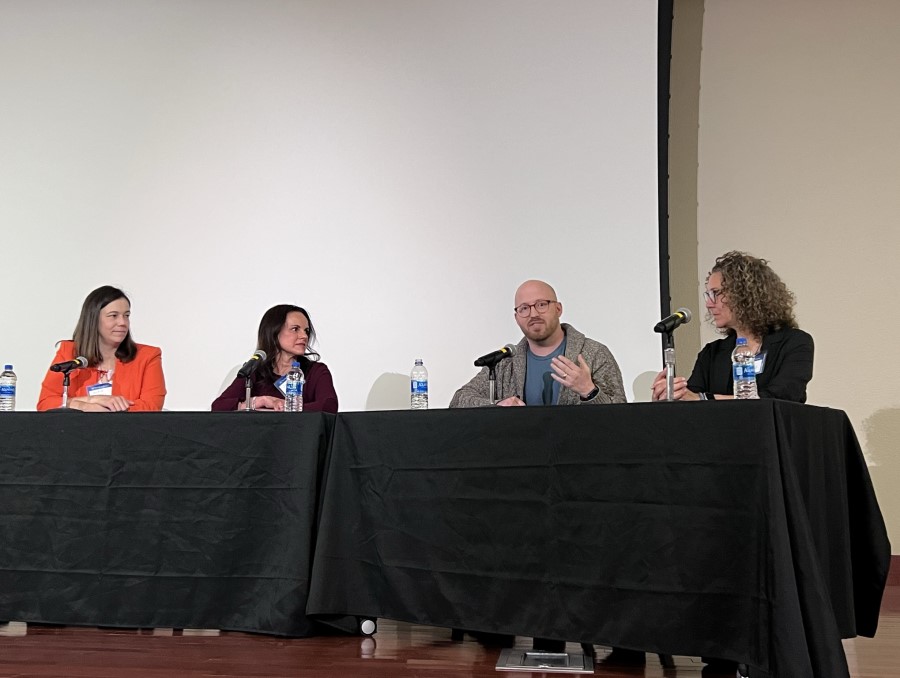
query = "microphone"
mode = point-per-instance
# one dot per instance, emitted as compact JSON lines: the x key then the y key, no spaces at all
{"x":495,"y":357}
{"x":250,"y":366}
{"x":69,"y":365}
{"x":680,"y":317}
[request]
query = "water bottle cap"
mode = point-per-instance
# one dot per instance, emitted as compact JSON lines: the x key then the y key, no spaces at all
{"x":7,"y":367}
{"x":295,"y":364}
{"x":418,"y":361}
{"x":741,"y":341}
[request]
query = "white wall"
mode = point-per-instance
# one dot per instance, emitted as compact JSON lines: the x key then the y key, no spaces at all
{"x":396,"y":167}
{"x":799,"y":162}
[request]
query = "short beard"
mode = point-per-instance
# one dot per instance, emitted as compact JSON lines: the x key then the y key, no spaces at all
{"x":545,"y":334}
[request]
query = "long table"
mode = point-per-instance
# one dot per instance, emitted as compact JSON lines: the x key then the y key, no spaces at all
{"x":740,"y":530}
{"x":182,"y":520}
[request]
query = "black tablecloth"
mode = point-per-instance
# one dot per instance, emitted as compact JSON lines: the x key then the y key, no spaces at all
{"x":160,"y":519}
{"x":741,"y":530}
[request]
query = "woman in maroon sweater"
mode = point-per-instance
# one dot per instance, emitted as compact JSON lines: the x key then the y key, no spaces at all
{"x":285,"y":334}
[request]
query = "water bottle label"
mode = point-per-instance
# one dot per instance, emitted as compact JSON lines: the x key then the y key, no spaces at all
{"x":743,"y":372}
{"x":293,"y":388}
{"x":7,"y":390}
{"x":419,"y":387}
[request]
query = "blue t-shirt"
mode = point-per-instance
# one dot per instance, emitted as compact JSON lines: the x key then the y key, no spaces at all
{"x":540,"y":387}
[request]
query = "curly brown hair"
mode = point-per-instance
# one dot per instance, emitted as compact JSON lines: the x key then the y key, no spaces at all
{"x":759,"y":300}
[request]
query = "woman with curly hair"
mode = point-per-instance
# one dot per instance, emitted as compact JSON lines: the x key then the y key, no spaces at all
{"x":746,"y":298}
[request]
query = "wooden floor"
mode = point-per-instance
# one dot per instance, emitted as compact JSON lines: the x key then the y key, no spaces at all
{"x":397,"y":650}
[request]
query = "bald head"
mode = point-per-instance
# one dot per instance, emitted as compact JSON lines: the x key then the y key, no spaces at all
{"x":540,"y":326}
{"x":531,"y":290}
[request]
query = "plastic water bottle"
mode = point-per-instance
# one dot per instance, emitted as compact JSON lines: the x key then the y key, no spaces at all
{"x":744,"y":371}
{"x":418,"y":386}
{"x":293,"y":389}
{"x":7,"y":389}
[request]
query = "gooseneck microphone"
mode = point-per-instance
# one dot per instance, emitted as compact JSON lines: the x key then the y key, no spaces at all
{"x":680,"y":317}
{"x":495,"y":357}
{"x":250,"y":366}
{"x":69,"y":365}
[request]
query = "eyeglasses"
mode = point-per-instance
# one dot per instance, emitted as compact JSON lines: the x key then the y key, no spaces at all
{"x":713,"y":295}
{"x":541,"y":306}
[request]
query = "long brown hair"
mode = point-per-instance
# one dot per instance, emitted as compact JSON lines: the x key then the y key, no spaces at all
{"x":87,"y":332}
{"x":267,"y":338}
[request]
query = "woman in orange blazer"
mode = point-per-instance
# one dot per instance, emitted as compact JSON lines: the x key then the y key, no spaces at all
{"x":120,"y":374}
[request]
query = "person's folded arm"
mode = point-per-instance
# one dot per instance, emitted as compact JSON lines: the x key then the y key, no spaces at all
{"x":51,"y":392}
{"x":153,"y":386}
{"x":322,"y":397}
{"x":52,"y":386}
{"x":794,"y":371}
{"x":231,"y":396}
{"x":699,"y":381}
{"x":476,"y":393}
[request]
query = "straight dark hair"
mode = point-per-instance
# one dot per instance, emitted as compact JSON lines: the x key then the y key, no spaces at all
{"x":87,"y":332}
{"x":267,"y":338}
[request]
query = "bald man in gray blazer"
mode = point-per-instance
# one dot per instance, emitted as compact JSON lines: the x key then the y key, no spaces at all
{"x":554,"y":364}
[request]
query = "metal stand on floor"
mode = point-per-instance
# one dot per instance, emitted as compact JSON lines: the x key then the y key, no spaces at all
{"x":516,"y":659}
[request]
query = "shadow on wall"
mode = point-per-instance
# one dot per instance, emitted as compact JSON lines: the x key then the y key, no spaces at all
{"x":226,"y":382}
{"x":882,"y":440}
{"x":642,"y":386}
{"x":882,"y":432}
{"x":389,"y":392}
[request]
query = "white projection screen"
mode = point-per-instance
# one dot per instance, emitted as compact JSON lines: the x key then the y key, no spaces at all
{"x":396,"y":167}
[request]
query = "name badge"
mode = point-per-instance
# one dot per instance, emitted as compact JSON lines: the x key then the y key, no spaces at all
{"x":759,"y":363}
{"x":103,"y":388}
{"x":281,"y":385}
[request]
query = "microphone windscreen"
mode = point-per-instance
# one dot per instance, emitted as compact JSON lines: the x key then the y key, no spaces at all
{"x":686,"y":312}
{"x":260,"y":354}
{"x":511,"y":348}
{"x":82,"y":361}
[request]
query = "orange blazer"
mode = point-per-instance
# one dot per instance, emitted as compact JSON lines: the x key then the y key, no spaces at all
{"x":141,"y":380}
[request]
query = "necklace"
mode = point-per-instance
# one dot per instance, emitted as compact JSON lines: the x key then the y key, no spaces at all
{"x":754,"y":343}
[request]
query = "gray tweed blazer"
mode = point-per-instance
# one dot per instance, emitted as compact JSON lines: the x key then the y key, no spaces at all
{"x":511,"y":375}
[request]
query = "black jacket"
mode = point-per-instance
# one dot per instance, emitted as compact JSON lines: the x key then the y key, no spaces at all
{"x":787,"y":370}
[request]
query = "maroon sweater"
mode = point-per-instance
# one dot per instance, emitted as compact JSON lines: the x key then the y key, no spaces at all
{"x":318,"y":392}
